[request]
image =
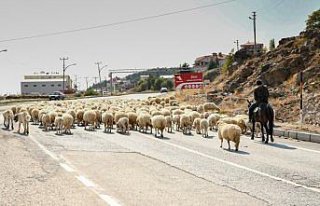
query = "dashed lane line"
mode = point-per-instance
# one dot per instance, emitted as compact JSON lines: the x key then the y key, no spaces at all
{"x":66,"y":165}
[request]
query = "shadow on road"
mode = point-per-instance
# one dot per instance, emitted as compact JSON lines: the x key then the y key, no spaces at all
{"x":236,"y":152}
{"x":281,"y":146}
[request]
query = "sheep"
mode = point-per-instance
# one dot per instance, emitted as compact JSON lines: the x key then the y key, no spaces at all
{"x":24,"y":119}
{"x":159,"y":123}
{"x":209,"y":106}
{"x":58,"y":123}
{"x":52,"y":115}
{"x":107,"y":120}
{"x":90,"y":117}
{"x":229,"y":132}
{"x":144,"y":121}
{"x":73,"y":114}
{"x":133,"y":120}
{"x":67,"y":123}
{"x":79,"y":117}
{"x":185,"y":123}
{"x":204,"y":126}
{"x":45,"y":121}
{"x":196,"y":125}
{"x":176,"y":121}
{"x":118,"y":115}
{"x":8,"y":117}
{"x":35,"y":116}
{"x":237,"y":121}
{"x":169,"y":123}
{"x":123,"y":125}
{"x":213,"y":119}
{"x":98,"y":118}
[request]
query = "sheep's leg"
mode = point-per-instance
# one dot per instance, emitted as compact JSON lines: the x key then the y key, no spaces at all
{"x":221,"y":142}
{"x":229,"y":148}
{"x":105,"y":127}
{"x":162,"y":133}
{"x":237,"y":145}
{"x":12,"y":124}
{"x":19,"y":126}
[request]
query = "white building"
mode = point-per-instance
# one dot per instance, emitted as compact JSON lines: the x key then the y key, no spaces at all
{"x":44,"y":83}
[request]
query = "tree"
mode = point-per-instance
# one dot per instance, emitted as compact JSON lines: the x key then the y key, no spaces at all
{"x":272,"y":45}
{"x":185,"y":65}
{"x":227,"y":64}
{"x":313,"y":21}
{"x":157,"y":84}
{"x":212,"y":65}
{"x":170,"y":84}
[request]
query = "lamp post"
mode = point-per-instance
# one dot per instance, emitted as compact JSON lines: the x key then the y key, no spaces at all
{"x":64,"y":68}
{"x":99,"y":70}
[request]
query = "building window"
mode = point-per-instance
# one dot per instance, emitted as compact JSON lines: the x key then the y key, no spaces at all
{"x":43,"y":85}
{"x":34,"y":85}
{"x":52,"y":85}
{"x":59,"y":85}
{"x":26,"y":85}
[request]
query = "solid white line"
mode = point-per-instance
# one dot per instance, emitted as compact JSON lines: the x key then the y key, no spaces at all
{"x":305,"y":149}
{"x":88,"y":183}
{"x":234,"y":164}
{"x":109,"y":200}
{"x":66,"y":167}
{"x":85,"y":181}
{"x":51,"y":154}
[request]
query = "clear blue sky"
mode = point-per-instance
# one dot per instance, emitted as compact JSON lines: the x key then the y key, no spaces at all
{"x":166,"y":41}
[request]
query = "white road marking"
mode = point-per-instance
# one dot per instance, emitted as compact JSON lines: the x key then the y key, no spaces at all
{"x":66,"y":167}
{"x":88,"y":183}
{"x":85,"y":181}
{"x":109,"y":200}
{"x":233,"y":164}
{"x":305,"y":149}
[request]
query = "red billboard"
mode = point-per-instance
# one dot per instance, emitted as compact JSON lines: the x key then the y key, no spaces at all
{"x":192,"y":80}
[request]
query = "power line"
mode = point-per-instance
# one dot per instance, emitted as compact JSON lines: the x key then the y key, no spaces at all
{"x":117,"y":23}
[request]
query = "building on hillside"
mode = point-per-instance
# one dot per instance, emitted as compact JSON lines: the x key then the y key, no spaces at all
{"x":44,"y":83}
{"x":249,"y":47}
{"x":167,"y":76}
{"x":202,"y":63}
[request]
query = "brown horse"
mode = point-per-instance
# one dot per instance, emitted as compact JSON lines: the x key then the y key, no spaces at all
{"x":265,"y":115}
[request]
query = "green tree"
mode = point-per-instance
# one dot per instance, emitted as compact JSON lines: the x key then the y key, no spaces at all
{"x":227,"y":64}
{"x":157,"y":84}
{"x":170,"y":84}
{"x":185,"y":65}
{"x":142,"y":85}
{"x":313,"y":21}
{"x":272,"y":45}
{"x":90,"y":92}
{"x":212,"y":65}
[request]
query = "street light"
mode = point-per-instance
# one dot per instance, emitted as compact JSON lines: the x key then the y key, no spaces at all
{"x":3,"y":50}
{"x":64,"y":68}
{"x":99,"y":70}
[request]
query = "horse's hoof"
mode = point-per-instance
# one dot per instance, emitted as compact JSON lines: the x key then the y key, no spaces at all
{"x":266,"y":142}
{"x":252,"y":138}
{"x":272,"y":140}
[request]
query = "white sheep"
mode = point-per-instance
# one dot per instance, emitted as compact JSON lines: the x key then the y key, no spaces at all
{"x":45,"y":119}
{"x":67,"y":123}
{"x":204,"y":126}
{"x":144,"y":121}
{"x":58,"y":123}
{"x":210,"y":106}
{"x":213,"y":120}
{"x":123,"y":125}
{"x":196,"y":125}
{"x":169,"y":123}
{"x":229,"y":132}
{"x":90,"y":117}
{"x":24,"y":119}
{"x":35,"y":115}
{"x":159,"y":123}
{"x":107,"y":120}
{"x":133,"y":120}
{"x":8,"y":117}
{"x":186,"y":123}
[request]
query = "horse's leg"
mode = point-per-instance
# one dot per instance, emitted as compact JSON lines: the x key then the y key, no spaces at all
{"x":267,"y":132}
{"x":262,"y":131}
{"x":253,"y":128}
{"x":271,"y":131}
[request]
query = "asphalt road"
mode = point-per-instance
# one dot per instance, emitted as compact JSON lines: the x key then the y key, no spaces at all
{"x":95,"y":168}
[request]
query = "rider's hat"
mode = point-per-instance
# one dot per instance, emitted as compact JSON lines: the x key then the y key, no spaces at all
{"x":259,"y":82}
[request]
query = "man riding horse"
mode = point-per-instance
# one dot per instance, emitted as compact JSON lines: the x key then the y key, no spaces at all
{"x":261,"y":95}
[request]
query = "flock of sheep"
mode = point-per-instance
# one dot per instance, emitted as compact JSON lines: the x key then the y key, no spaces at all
{"x":158,"y":113}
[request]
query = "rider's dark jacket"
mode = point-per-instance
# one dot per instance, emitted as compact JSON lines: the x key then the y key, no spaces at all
{"x":261,"y":94}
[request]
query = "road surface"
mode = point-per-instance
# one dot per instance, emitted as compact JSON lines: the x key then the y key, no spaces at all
{"x":95,"y":168}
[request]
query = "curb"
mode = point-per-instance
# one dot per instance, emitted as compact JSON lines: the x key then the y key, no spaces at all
{"x":303,"y":136}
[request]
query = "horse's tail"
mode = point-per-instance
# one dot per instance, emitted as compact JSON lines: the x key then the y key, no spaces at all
{"x":271,"y":119}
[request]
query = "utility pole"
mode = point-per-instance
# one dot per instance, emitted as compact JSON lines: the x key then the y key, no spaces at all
{"x":76,"y":82}
{"x":110,"y":75}
{"x":95,"y":82}
{"x":253,"y":18}
{"x":87,"y":82}
{"x":64,"y":68}
{"x":237,"y":42}
{"x":99,"y":70}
